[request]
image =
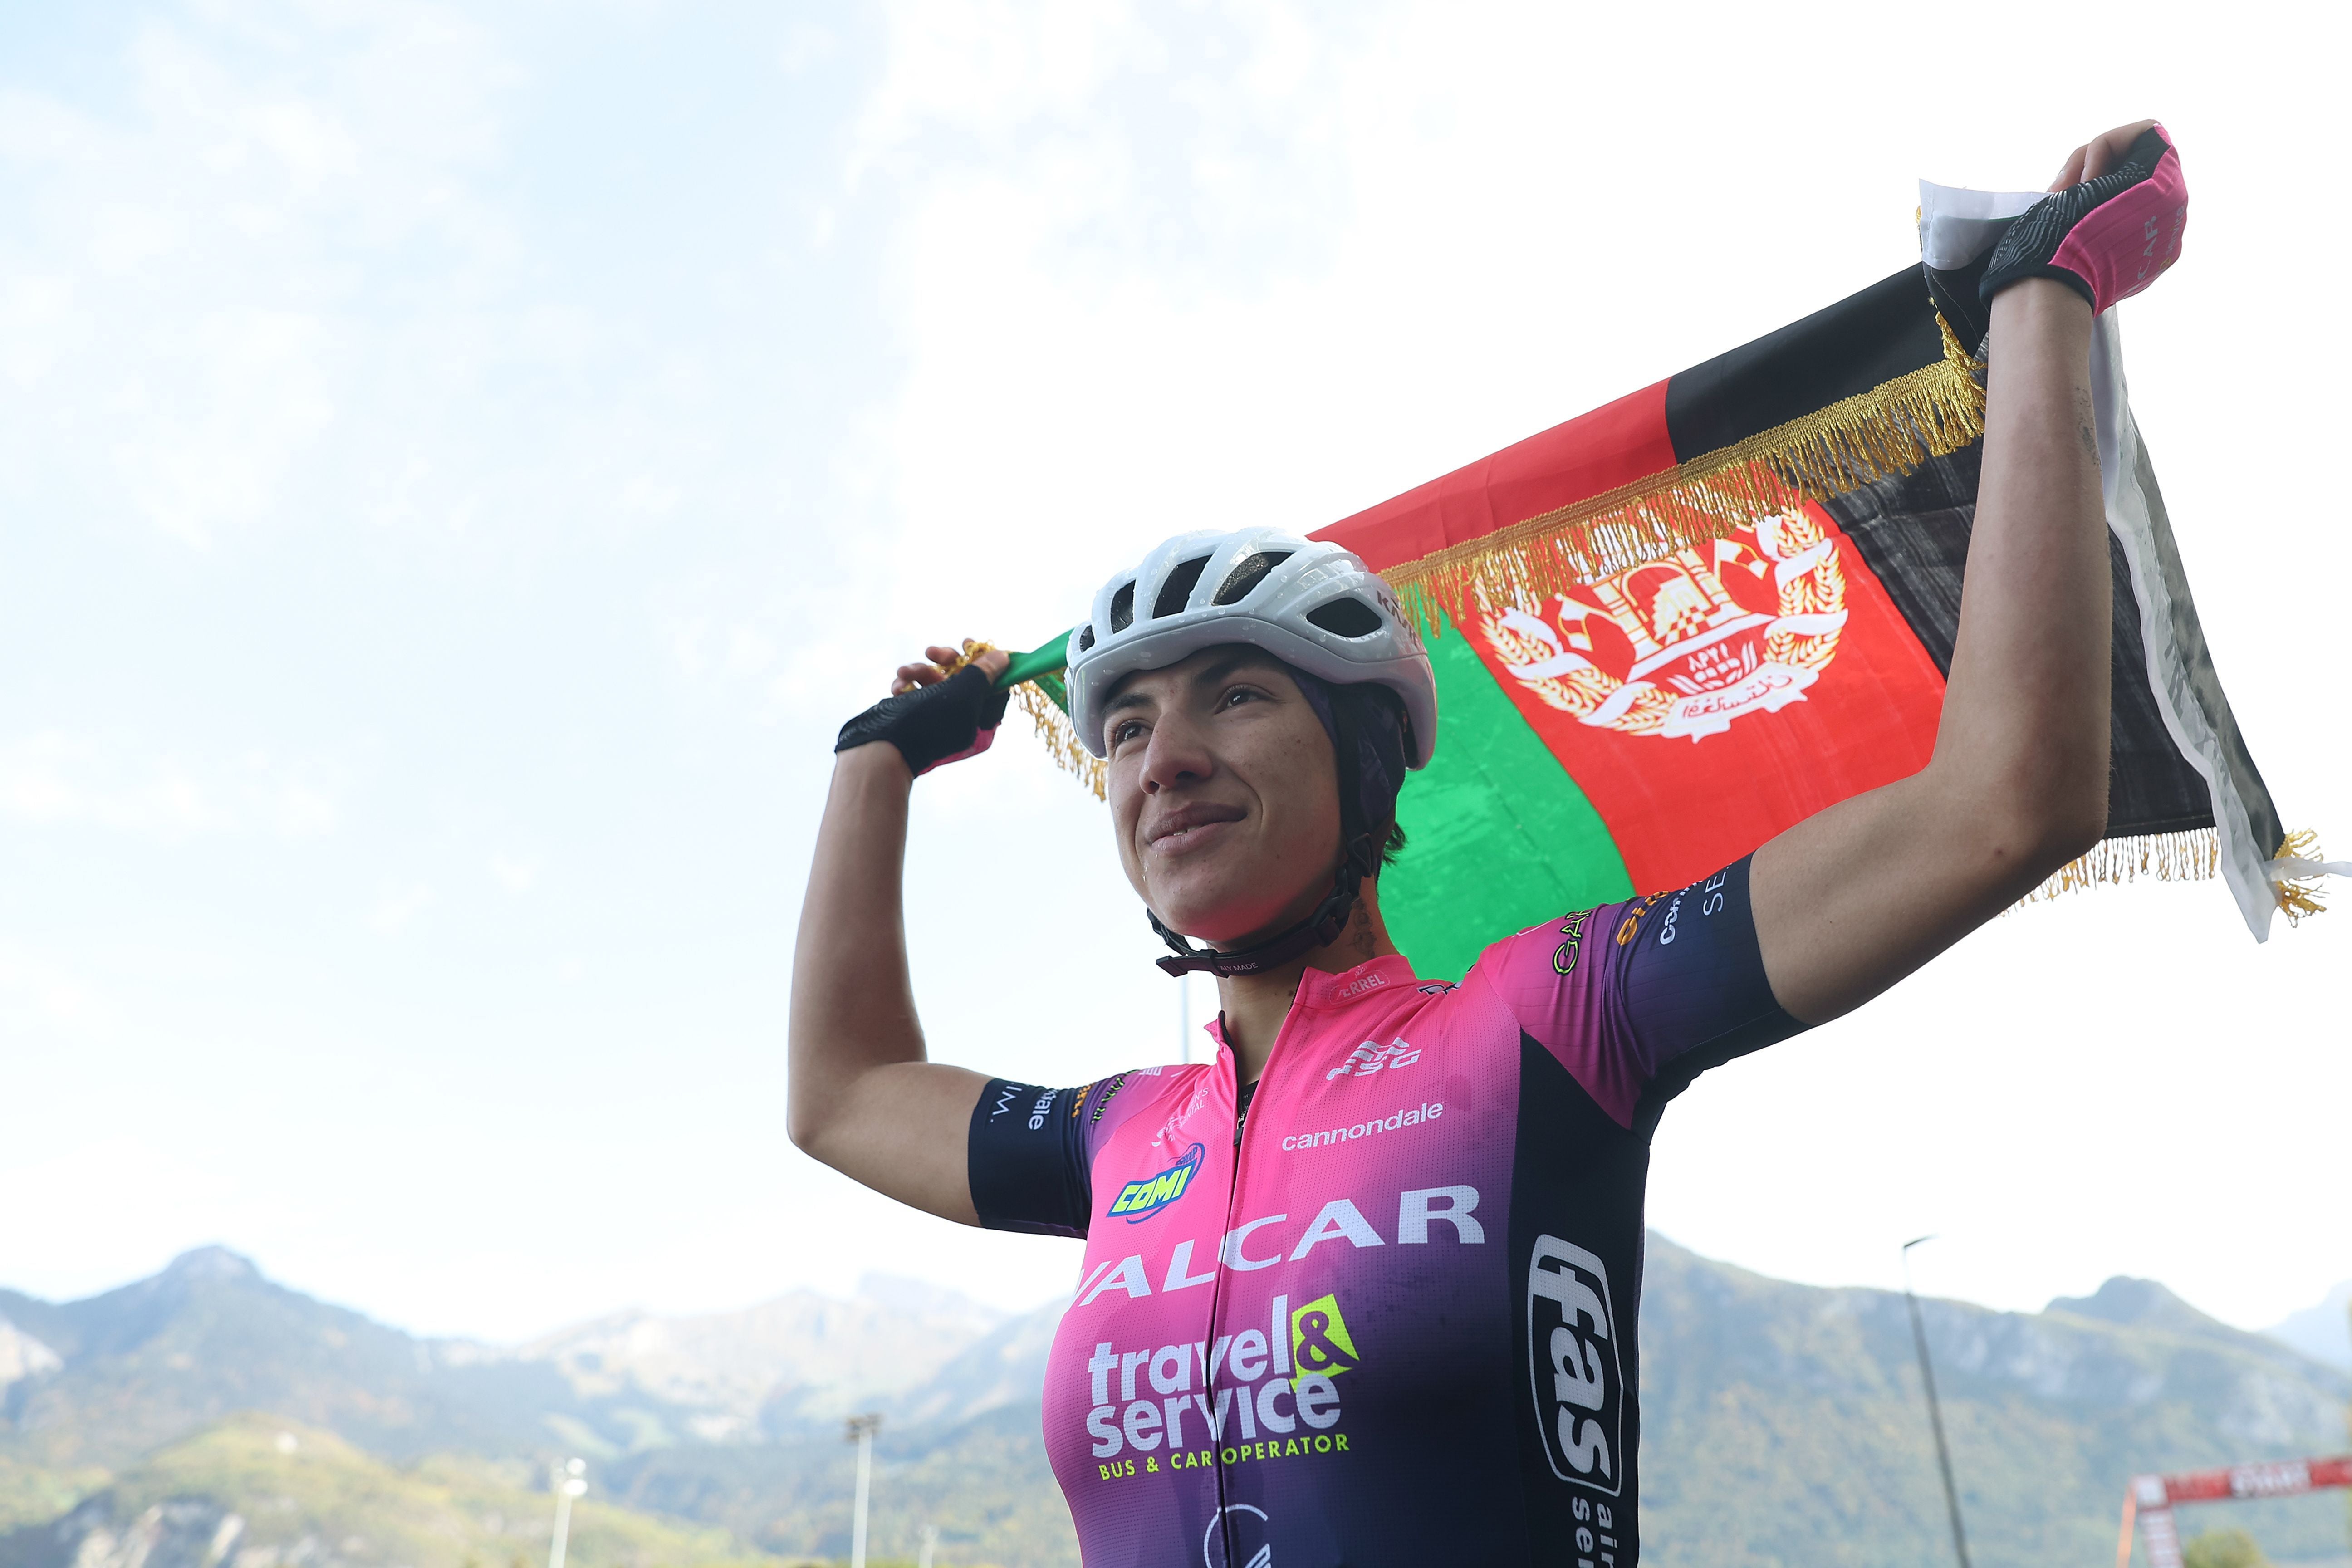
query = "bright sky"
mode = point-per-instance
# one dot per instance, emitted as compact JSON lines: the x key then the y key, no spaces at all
{"x":459,"y":464}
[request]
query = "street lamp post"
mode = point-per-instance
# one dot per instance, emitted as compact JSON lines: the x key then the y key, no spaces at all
{"x":1935,"y":1409}
{"x":570,"y":1481}
{"x":861,"y":1432}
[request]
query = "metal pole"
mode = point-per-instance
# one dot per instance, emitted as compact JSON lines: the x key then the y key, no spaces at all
{"x":568,"y":1485}
{"x":865,"y":1482}
{"x":1935,"y":1409}
{"x":861,"y":1432}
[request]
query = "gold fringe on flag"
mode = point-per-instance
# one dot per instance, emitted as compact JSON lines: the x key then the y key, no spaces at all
{"x":1061,"y":739}
{"x":1052,"y":725}
{"x":972,"y":649}
{"x":2299,"y":896}
{"x":1891,"y":429}
{"x":2193,"y":855}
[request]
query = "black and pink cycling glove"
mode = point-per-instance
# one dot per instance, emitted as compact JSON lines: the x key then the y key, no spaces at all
{"x":933,"y":725}
{"x":2105,"y":238}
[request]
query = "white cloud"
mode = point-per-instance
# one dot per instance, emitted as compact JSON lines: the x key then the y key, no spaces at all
{"x":989,"y":67}
{"x":34,"y":311}
{"x":199,"y":341}
{"x":156,"y":1203}
{"x":398,"y":905}
{"x":39,"y":995}
{"x":54,"y":778}
{"x":736,"y":650}
{"x":218,"y":456}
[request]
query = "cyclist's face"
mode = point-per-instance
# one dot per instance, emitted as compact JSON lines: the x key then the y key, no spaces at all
{"x":1225,"y":797}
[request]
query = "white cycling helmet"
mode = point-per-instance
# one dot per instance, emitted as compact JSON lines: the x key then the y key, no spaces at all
{"x":1312,"y":604}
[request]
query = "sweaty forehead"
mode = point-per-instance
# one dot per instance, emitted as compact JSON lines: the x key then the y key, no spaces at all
{"x":1208,"y":666}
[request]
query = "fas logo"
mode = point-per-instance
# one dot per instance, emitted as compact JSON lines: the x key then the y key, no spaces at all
{"x":1580,"y":1395}
{"x":1138,"y":1201}
{"x":1686,"y":644}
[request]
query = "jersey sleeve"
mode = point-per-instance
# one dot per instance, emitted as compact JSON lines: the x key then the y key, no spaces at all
{"x":1636,"y":999}
{"x":1030,"y":1155}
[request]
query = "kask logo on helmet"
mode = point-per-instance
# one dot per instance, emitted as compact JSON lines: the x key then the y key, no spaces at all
{"x":1138,"y":1201}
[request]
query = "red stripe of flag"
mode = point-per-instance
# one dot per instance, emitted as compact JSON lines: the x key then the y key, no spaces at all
{"x":1614,"y":444}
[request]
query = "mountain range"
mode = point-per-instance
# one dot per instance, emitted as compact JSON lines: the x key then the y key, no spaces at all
{"x":209,"y":1419}
{"x":2323,"y":1330}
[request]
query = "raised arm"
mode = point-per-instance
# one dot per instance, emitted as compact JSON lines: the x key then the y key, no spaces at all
{"x":1854,"y":898}
{"x":863,"y":1097}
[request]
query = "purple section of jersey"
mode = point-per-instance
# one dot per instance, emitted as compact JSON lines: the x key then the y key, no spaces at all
{"x":1394,"y":1321}
{"x":1623,"y":995}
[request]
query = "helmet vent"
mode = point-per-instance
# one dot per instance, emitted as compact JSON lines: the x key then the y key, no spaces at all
{"x":1177,"y":588}
{"x":1122,"y":608}
{"x":1249,"y":574}
{"x":1085,"y":638}
{"x":1349,"y":617}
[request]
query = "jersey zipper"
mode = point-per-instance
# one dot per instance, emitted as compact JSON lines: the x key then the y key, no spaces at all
{"x":1232,"y":1203}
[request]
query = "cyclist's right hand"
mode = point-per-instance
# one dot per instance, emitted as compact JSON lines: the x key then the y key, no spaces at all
{"x":934,"y":717}
{"x":941,"y":658}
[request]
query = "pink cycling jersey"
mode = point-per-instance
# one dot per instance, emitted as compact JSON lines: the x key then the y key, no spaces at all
{"x":1382,"y":1309}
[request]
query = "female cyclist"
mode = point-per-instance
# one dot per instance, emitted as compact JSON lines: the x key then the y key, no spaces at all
{"x":1364,"y":1288}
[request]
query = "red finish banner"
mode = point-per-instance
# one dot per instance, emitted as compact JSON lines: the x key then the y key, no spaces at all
{"x":2263,"y":1478}
{"x":2152,"y":1498}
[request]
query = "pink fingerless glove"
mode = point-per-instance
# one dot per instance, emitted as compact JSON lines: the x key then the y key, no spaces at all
{"x":2105,"y":238}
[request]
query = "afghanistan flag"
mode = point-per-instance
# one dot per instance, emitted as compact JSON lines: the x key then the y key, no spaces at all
{"x":1670,"y":628}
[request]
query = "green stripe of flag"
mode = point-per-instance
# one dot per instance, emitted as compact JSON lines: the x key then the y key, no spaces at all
{"x":1499,"y":835}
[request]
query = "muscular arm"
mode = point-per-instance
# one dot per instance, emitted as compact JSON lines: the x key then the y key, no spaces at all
{"x":1854,"y":898}
{"x":863,"y":1097}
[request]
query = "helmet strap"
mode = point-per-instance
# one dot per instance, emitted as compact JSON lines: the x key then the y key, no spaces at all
{"x":1358,"y":752}
{"x":1321,"y":929}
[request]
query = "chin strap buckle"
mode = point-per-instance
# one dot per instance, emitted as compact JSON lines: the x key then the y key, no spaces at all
{"x":1304,"y":937}
{"x":1321,"y":929}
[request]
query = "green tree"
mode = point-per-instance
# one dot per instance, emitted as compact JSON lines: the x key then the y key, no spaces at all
{"x":2224,"y":1549}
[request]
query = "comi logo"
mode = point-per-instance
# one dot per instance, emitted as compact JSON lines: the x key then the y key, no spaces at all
{"x":1138,"y":1201}
{"x":1572,"y":1361}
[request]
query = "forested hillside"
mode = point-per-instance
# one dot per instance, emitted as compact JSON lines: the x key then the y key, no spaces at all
{"x":208,"y":1418}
